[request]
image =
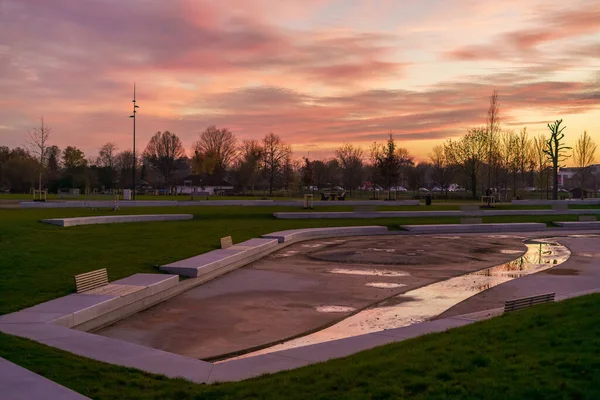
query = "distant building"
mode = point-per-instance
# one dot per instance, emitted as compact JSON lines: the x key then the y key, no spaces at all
{"x":203,"y":185}
{"x":571,"y":177}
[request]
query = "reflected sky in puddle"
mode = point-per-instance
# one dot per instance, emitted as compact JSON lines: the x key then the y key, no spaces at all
{"x":384,"y":285}
{"x":329,"y":309}
{"x":370,"y":272}
{"x":429,"y":301}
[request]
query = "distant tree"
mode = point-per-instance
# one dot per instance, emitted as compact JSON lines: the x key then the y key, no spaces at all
{"x":584,"y":155}
{"x":4,"y":157}
{"x":54,"y":156}
{"x":523,"y":155}
{"x":542,"y":167}
{"x":350,"y":159}
{"x":73,"y":158}
{"x":248,"y":163}
{"x":441,"y":167}
{"x":215,"y":151}
{"x":275,"y":154}
{"x":509,"y":162}
{"x":307,"y":173}
{"x":556,"y":152}
{"x":107,"y":155}
{"x":21,"y":170}
{"x":38,"y":145}
{"x":493,"y":129}
{"x":405,"y":164}
{"x":124,"y":166}
{"x":163,"y":151}
{"x":417,"y":176}
{"x":469,"y":153}
{"x":386,"y":160}
{"x":319,"y":170}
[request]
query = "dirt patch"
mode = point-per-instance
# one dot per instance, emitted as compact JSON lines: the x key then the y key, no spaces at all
{"x":277,"y":297}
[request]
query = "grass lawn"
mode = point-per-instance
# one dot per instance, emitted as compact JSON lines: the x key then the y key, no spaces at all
{"x":546,"y":352}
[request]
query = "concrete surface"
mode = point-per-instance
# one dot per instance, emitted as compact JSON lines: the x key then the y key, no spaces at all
{"x":550,"y":202}
{"x":412,"y":214}
{"x":17,"y":383}
{"x":113,"y":219}
{"x":467,"y":228}
{"x":278,"y":296}
{"x":295,"y":235}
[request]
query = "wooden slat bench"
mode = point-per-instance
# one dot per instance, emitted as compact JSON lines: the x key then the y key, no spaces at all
{"x":96,"y":282}
{"x":519,"y":304}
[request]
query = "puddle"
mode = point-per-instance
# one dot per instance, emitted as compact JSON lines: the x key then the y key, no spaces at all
{"x":384,"y":250}
{"x":368,"y":272}
{"x":510,"y":251}
{"x":330,"y":309}
{"x":429,"y":301}
{"x":312,"y":245}
{"x":591,"y":235}
{"x":384,"y":285}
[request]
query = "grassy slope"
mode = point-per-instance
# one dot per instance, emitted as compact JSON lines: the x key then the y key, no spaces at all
{"x":546,"y":352}
{"x":38,"y":261}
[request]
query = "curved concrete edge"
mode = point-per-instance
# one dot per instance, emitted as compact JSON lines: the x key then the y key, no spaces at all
{"x":20,"y":383}
{"x":579,"y":225}
{"x":113,"y":219}
{"x":296,"y":235}
{"x":476,"y":228}
{"x":553,"y":202}
{"x":425,"y":213}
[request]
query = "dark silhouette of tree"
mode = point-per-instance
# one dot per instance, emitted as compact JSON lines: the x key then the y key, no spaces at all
{"x":215,"y":151}
{"x":469,"y":153}
{"x":555,"y":150}
{"x":163,"y":151}
{"x":38,"y":146}
{"x":73,"y":158}
{"x":248,"y":163}
{"x":275,"y":154}
{"x":584,"y":155}
{"x":350,"y":159}
{"x":387,"y":160}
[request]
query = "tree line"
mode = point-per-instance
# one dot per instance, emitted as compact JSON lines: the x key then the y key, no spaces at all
{"x":485,"y":157}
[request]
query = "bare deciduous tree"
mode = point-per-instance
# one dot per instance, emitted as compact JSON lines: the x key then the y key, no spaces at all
{"x":584,"y":155}
{"x":468,"y":153}
{"x":441,"y":167}
{"x":556,"y":152}
{"x":163,"y":151}
{"x":493,"y":128}
{"x":106,"y":155}
{"x":275,"y":155}
{"x":248,"y":164}
{"x":541,"y":162}
{"x":350,"y":159}
{"x":38,"y":145}
{"x":215,"y":151}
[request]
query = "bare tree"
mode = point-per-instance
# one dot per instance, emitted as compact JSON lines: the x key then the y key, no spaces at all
{"x":215,"y":150}
{"x":508,"y":158}
{"x":493,"y":128}
{"x":523,"y":156}
{"x":469,"y":153}
{"x":248,"y":163}
{"x":541,"y":162}
{"x":556,"y":152}
{"x":163,"y":151}
{"x":38,"y":145}
{"x":106,"y":155}
{"x":386,"y":160}
{"x":584,"y":155}
{"x":275,"y":155}
{"x":350,"y":159}
{"x":441,"y":167}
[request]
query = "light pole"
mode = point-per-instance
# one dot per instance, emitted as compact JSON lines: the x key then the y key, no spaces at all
{"x":134,"y":159}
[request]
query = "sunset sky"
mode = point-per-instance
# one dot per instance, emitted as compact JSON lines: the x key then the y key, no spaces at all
{"x":317,"y":72}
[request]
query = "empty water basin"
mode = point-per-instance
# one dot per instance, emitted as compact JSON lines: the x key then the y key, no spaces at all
{"x":429,"y":301}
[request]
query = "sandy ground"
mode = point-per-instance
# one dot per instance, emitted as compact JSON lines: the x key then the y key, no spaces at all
{"x":281,"y":296}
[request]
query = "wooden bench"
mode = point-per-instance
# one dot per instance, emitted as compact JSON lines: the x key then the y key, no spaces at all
{"x":226,"y":242}
{"x":519,"y":304}
{"x":96,"y":282}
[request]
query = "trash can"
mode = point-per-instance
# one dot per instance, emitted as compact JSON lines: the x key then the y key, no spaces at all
{"x":428,"y":199}
{"x":127,"y":194}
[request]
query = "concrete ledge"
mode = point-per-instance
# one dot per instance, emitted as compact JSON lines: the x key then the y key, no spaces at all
{"x":113,"y":219}
{"x":236,"y":255}
{"x":19,"y":383}
{"x":417,"y":214}
{"x":550,"y":202}
{"x":475,"y":228}
{"x":296,"y":235}
{"x":579,"y":225}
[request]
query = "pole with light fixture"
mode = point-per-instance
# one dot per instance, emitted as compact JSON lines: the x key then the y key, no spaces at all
{"x":134,"y":159}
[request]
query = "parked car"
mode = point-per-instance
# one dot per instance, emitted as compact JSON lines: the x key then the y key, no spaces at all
{"x":339,"y":188}
{"x":398,"y":189}
{"x":423,"y":190}
{"x":436,"y":189}
{"x":530,"y":189}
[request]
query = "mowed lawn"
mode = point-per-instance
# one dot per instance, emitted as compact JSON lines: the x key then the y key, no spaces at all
{"x":546,"y":352}
{"x":38,"y":261}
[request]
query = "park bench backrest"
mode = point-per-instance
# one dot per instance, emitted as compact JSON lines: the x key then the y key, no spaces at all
{"x":518,"y":304}
{"x":226,"y":242}
{"x":91,"y":280}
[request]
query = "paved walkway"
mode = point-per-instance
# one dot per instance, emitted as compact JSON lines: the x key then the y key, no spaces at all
{"x":17,"y":383}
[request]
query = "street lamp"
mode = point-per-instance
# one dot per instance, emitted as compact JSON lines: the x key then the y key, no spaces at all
{"x":134,"y":159}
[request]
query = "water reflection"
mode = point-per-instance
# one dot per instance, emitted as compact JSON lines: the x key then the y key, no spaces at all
{"x":374,"y":272}
{"x":384,"y":285}
{"x":329,"y":309}
{"x":429,"y":301}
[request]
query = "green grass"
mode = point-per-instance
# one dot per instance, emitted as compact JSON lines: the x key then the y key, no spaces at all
{"x":546,"y":352}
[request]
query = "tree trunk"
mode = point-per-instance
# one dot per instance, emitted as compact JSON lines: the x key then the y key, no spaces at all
{"x":474,"y":184}
{"x":555,"y":183}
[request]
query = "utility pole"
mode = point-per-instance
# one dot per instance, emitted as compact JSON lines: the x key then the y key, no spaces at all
{"x":134,"y":158}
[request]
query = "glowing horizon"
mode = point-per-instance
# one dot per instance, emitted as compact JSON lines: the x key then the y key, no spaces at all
{"x":319,"y":73}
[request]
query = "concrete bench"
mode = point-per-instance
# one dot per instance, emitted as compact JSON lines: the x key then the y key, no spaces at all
{"x":96,"y":282}
{"x":560,"y":206}
{"x":579,"y":224}
{"x":296,"y":235}
{"x":362,"y":209}
{"x":476,"y":228}
{"x":471,"y":220}
{"x":112,"y":219}
{"x":226,"y":242}
{"x":587,"y":218}
{"x":519,"y":304}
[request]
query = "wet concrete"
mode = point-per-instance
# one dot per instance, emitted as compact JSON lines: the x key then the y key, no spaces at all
{"x":278,"y":297}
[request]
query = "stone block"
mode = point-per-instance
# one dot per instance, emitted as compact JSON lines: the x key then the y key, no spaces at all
{"x":579,"y":225}
{"x":560,"y":206}
{"x":476,"y":228}
{"x":204,"y":263}
{"x":111,"y":219}
{"x":587,"y":218}
{"x":471,"y":220}
{"x":226,"y":242}
{"x":296,"y":235}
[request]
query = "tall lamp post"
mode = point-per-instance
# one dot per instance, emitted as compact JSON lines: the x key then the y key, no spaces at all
{"x":134,"y":159}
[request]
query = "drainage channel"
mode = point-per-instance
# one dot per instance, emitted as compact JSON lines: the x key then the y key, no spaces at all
{"x":429,"y":301}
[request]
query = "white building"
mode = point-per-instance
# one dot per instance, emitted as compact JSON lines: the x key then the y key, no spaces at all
{"x":202,"y":185}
